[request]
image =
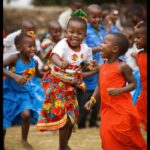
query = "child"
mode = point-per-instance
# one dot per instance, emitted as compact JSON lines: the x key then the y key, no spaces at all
{"x":18,"y":93}
{"x":119,"y":127}
{"x":93,"y":39}
{"x":8,"y":41}
{"x":129,"y":33}
{"x":60,"y":110}
{"x":141,"y":58}
{"x":51,"y":38}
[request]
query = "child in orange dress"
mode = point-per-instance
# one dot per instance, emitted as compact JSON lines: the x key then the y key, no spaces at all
{"x":119,"y":126}
{"x":141,"y":59}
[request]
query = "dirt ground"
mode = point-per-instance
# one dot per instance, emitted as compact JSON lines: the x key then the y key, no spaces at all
{"x":12,"y":17}
{"x":83,"y":139}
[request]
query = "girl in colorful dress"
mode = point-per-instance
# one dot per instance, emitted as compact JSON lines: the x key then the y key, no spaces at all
{"x":119,"y":126}
{"x":18,"y":93}
{"x":141,"y":59}
{"x":60,"y":109}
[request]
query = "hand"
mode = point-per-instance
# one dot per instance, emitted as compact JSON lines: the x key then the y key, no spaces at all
{"x":89,"y":104}
{"x":95,"y":65}
{"x":21,"y":80}
{"x":64,"y":64}
{"x":113,"y":91}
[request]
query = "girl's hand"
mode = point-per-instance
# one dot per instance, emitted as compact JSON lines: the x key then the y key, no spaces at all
{"x":21,"y":80}
{"x":89,"y":104}
{"x":64,"y":64}
{"x":113,"y":91}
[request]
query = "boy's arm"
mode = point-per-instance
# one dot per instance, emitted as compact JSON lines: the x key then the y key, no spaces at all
{"x":95,"y":49}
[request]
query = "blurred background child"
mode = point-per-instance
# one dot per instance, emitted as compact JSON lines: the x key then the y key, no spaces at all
{"x":49,"y":40}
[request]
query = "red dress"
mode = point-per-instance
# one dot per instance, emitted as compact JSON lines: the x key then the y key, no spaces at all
{"x":119,"y":128}
{"x":141,"y":104}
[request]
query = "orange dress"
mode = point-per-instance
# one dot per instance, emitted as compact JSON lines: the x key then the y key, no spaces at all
{"x":141,"y":104}
{"x":119,"y":127}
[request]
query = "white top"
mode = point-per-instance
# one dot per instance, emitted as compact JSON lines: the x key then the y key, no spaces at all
{"x":131,"y":60}
{"x":10,"y":48}
{"x":74,"y":58}
{"x":64,"y":18}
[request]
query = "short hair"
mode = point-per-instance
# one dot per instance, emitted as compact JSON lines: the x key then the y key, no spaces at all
{"x":78,"y":19}
{"x":121,"y":41}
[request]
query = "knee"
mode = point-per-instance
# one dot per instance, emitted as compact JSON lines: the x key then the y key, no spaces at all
{"x":25,"y":115}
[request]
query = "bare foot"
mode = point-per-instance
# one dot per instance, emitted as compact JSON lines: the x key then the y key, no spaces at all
{"x":26,"y":145}
{"x":68,"y":148}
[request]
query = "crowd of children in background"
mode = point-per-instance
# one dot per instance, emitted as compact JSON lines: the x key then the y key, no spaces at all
{"x":54,"y":81}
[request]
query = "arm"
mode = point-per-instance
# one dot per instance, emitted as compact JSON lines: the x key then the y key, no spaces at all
{"x":96,"y":95}
{"x":89,"y":104}
{"x":126,"y":71}
{"x":95,"y":49}
{"x":39,"y":73}
{"x":9,"y":62}
{"x":58,"y":61}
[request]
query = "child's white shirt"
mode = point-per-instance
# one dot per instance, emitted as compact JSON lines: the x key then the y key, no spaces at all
{"x":73,"y":57}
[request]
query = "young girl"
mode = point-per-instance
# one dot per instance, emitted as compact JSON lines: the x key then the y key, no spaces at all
{"x":119,"y":126}
{"x":18,"y":93}
{"x":141,"y":58}
{"x":60,"y":110}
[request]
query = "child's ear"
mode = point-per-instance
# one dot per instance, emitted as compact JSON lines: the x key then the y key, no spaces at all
{"x":115,"y":49}
{"x":65,"y":32}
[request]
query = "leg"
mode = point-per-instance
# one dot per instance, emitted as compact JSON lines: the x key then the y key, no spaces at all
{"x":64,"y":135}
{"x":4,"y":133}
{"x":25,"y":115}
{"x":94,"y":115}
{"x":83,"y":112}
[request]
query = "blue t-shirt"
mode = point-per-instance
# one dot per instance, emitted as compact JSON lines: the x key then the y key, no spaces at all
{"x":93,"y":38}
{"x":113,"y":29}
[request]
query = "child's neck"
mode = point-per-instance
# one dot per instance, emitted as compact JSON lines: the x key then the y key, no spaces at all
{"x":112,"y":60}
{"x":74,"y":48}
{"x":24,"y":58}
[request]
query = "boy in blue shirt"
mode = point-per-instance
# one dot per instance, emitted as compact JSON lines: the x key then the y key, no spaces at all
{"x":93,"y":40}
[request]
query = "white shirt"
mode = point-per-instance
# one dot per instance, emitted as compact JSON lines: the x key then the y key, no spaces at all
{"x":129,"y":59}
{"x":75,"y":58}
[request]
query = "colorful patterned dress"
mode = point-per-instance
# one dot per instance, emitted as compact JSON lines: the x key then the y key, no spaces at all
{"x":59,"y":87}
{"x":18,"y":98}
{"x":119,"y":128}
